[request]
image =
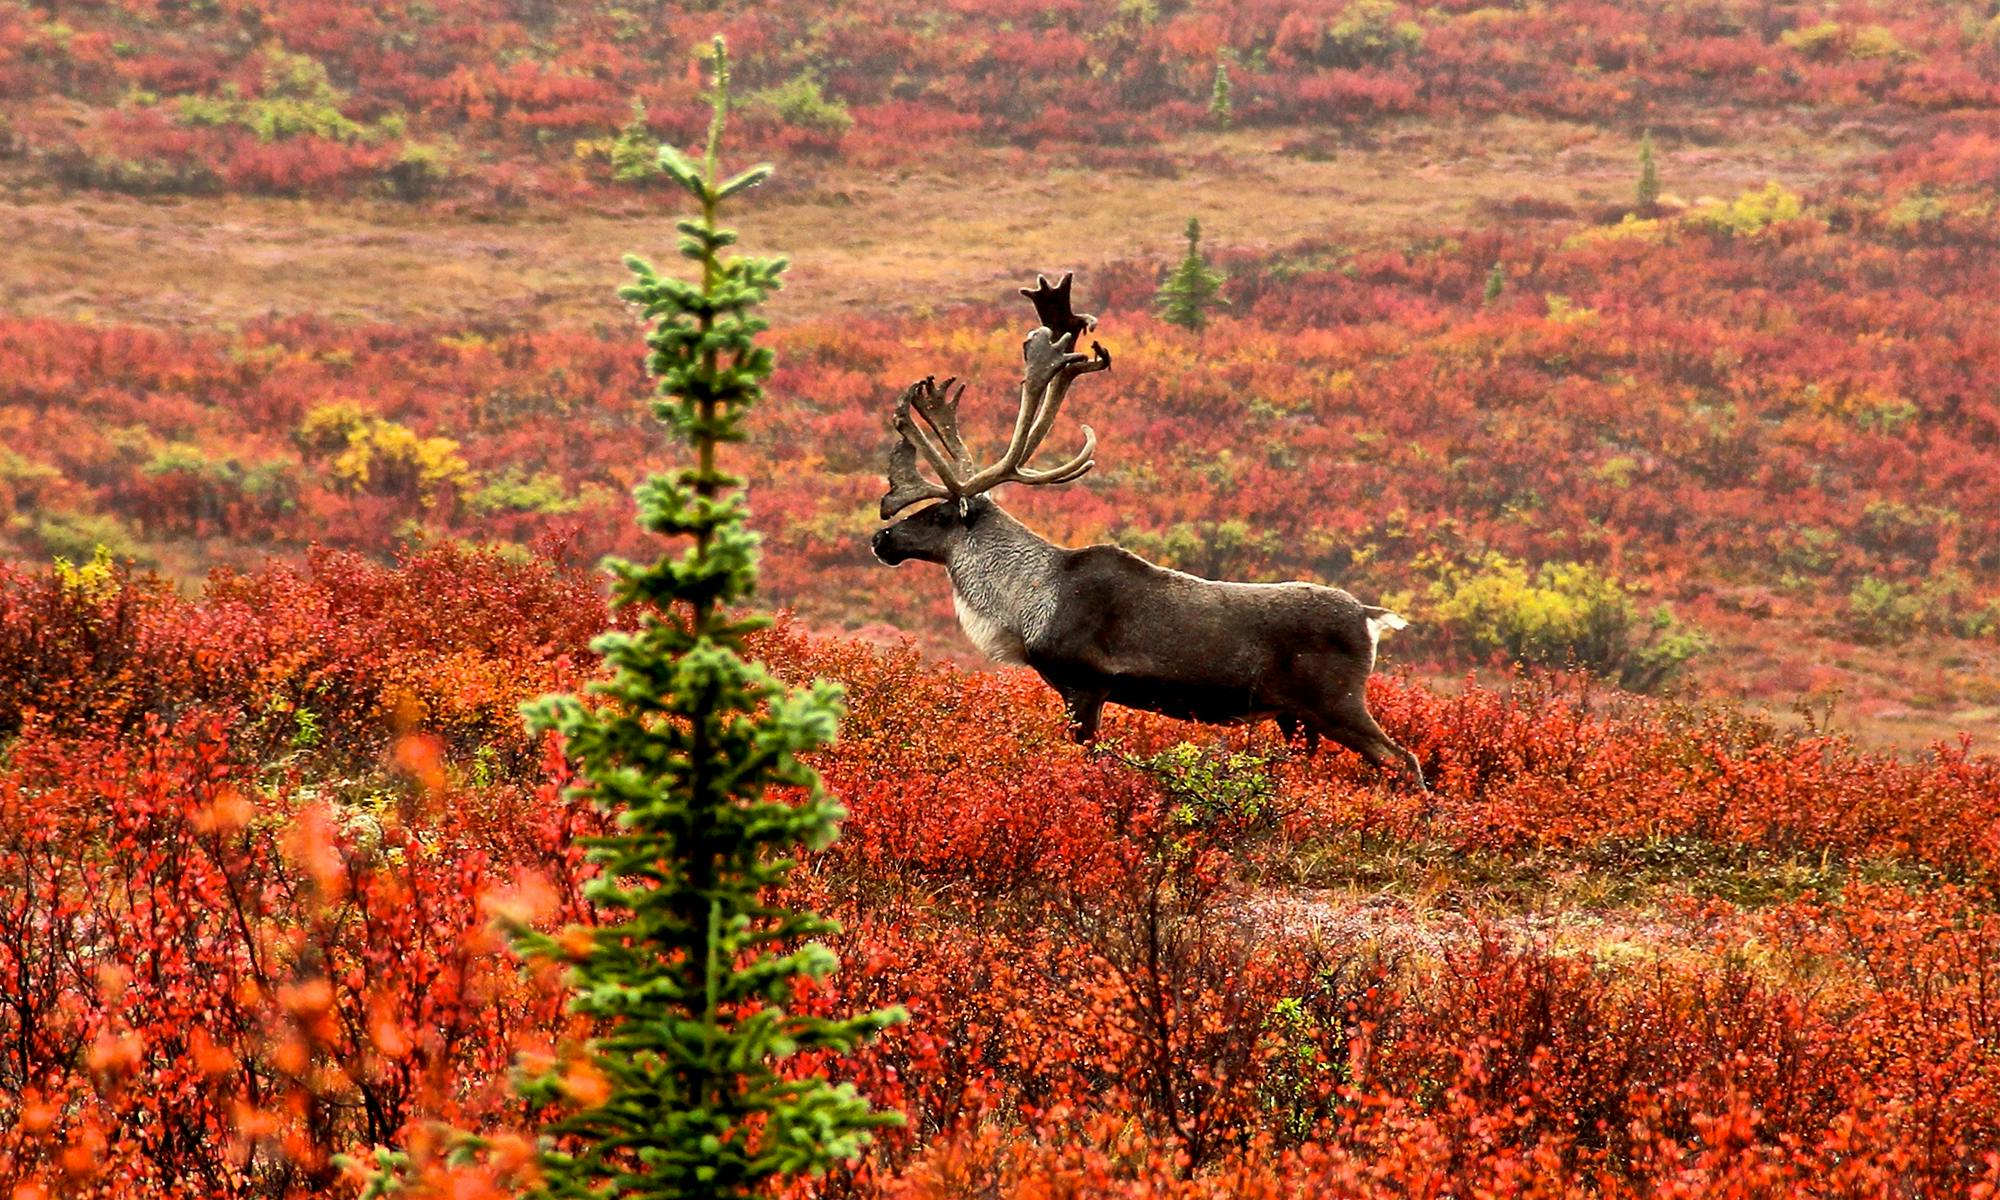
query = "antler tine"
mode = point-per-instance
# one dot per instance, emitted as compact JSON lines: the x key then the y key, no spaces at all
{"x":926,"y":414}
{"x":1049,"y":365}
{"x":1052,"y":307}
{"x":938,"y":406}
{"x":906,"y":485}
{"x":920,"y":396}
{"x":1052,"y":362}
{"x":1071,"y":366}
{"x":1075,"y":468}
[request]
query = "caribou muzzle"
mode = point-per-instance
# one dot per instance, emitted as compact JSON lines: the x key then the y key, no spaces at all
{"x":885,"y":547}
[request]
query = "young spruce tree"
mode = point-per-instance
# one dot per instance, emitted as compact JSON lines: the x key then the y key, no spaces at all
{"x":1221,"y":109}
{"x":1648,"y":191}
{"x":635,"y":152}
{"x":1187,"y":295}
{"x":695,"y":962}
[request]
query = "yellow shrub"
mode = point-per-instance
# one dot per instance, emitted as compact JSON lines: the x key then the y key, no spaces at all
{"x":1566,"y":614}
{"x":1632,"y":228}
{"x":381,"y":456}
{"x":1874,"y":41}
{"x":330,"y":426}
{"x":1749,"y":214}
{"x":1821,"y":40}
{"x":94,"y":581}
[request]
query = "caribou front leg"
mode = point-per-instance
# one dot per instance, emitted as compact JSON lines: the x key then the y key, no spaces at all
{"x":1084,"y":709}
{"x":1291,"y":726}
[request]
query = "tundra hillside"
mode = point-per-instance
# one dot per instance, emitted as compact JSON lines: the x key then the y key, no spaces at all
{"x":1658,"y":340}
{"x":498,"y":104}
{"x":1741,"y":442}
{"x":1765,"y":423}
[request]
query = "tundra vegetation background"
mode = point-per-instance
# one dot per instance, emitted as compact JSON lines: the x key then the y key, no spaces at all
{"x":317,"y":296}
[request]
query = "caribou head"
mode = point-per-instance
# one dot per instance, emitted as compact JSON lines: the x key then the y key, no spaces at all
{"x":926,"y":422}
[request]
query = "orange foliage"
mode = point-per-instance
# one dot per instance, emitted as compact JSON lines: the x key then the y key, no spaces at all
{"x":1789,"y":423}
{"x":234,"y":956}
{"x":414,"y":95}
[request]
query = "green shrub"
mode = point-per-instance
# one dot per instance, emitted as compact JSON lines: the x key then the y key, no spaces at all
{"x":515,"y":491}
{"x":1880,"y":610}
{"x":1210,"y":549}
{"x":135,"y":176}
{"x":801,"y":103}
{"x":186,"y":458}
{"x":421,"y":170}
{"x":1915,"y":213}
{"x":1212,"y":786}
{"x":1221,"y":110}
{"x":81,"y":537}
{"x":1367,"y":32}
{"x":1567,"y":614}
{"x":25,"y":477}
{"x":1192,"y":289}
{"x":296,"y":99}
{"x":1647,"y":193}
{"x":635,"y":152}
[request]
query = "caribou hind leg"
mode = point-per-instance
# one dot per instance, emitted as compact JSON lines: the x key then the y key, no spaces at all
{"x":1349,"y":723}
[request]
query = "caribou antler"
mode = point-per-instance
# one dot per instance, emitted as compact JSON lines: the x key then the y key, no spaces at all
{"x":1052,"y":307}
{"x":927,"y":414}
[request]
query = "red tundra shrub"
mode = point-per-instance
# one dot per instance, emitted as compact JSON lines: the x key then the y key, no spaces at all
{"x":306,"y":96}
{"x":236,"y":952}
{"x":1749,"y":425}
{"x":217,"y":984}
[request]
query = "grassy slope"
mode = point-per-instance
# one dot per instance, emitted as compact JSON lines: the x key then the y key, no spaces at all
{"x":930,"y":240}
{"x":861,"y":237}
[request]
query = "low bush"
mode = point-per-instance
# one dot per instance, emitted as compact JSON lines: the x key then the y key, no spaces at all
{"x":251,"y":843}
{"x":1565,"y":615}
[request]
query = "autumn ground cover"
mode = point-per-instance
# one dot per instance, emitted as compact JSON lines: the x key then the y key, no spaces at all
{"x":495,"y":103}
{"x":367,"y":365}
{"x":257,"y":838}
{"x":1764,"y":415}
{"x":305,"y":303}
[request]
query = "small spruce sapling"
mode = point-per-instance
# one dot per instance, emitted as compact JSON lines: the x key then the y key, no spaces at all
{"x":635,"y":152}
{"x":1192,"y":289}
{"x":1648,"y":191}
{"x":1220,"y":108}
{"x":691,"y":972}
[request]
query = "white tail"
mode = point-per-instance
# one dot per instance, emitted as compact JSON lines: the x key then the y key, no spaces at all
{"x":1378,"y":620}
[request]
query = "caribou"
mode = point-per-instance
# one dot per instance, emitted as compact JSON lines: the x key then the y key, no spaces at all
{"x":1098,"y":623}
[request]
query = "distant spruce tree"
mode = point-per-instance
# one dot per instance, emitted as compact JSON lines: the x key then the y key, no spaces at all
{"x":635,"y":152}
{"x":1648,"y":192}
{"x":1496,"y":282}
{"x":1192,"y":289}
{"x":696,"y":960}
{"x":1220,"y":109}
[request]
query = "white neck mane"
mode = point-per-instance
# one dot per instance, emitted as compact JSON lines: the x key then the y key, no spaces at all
{"x":1003,"y":587}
